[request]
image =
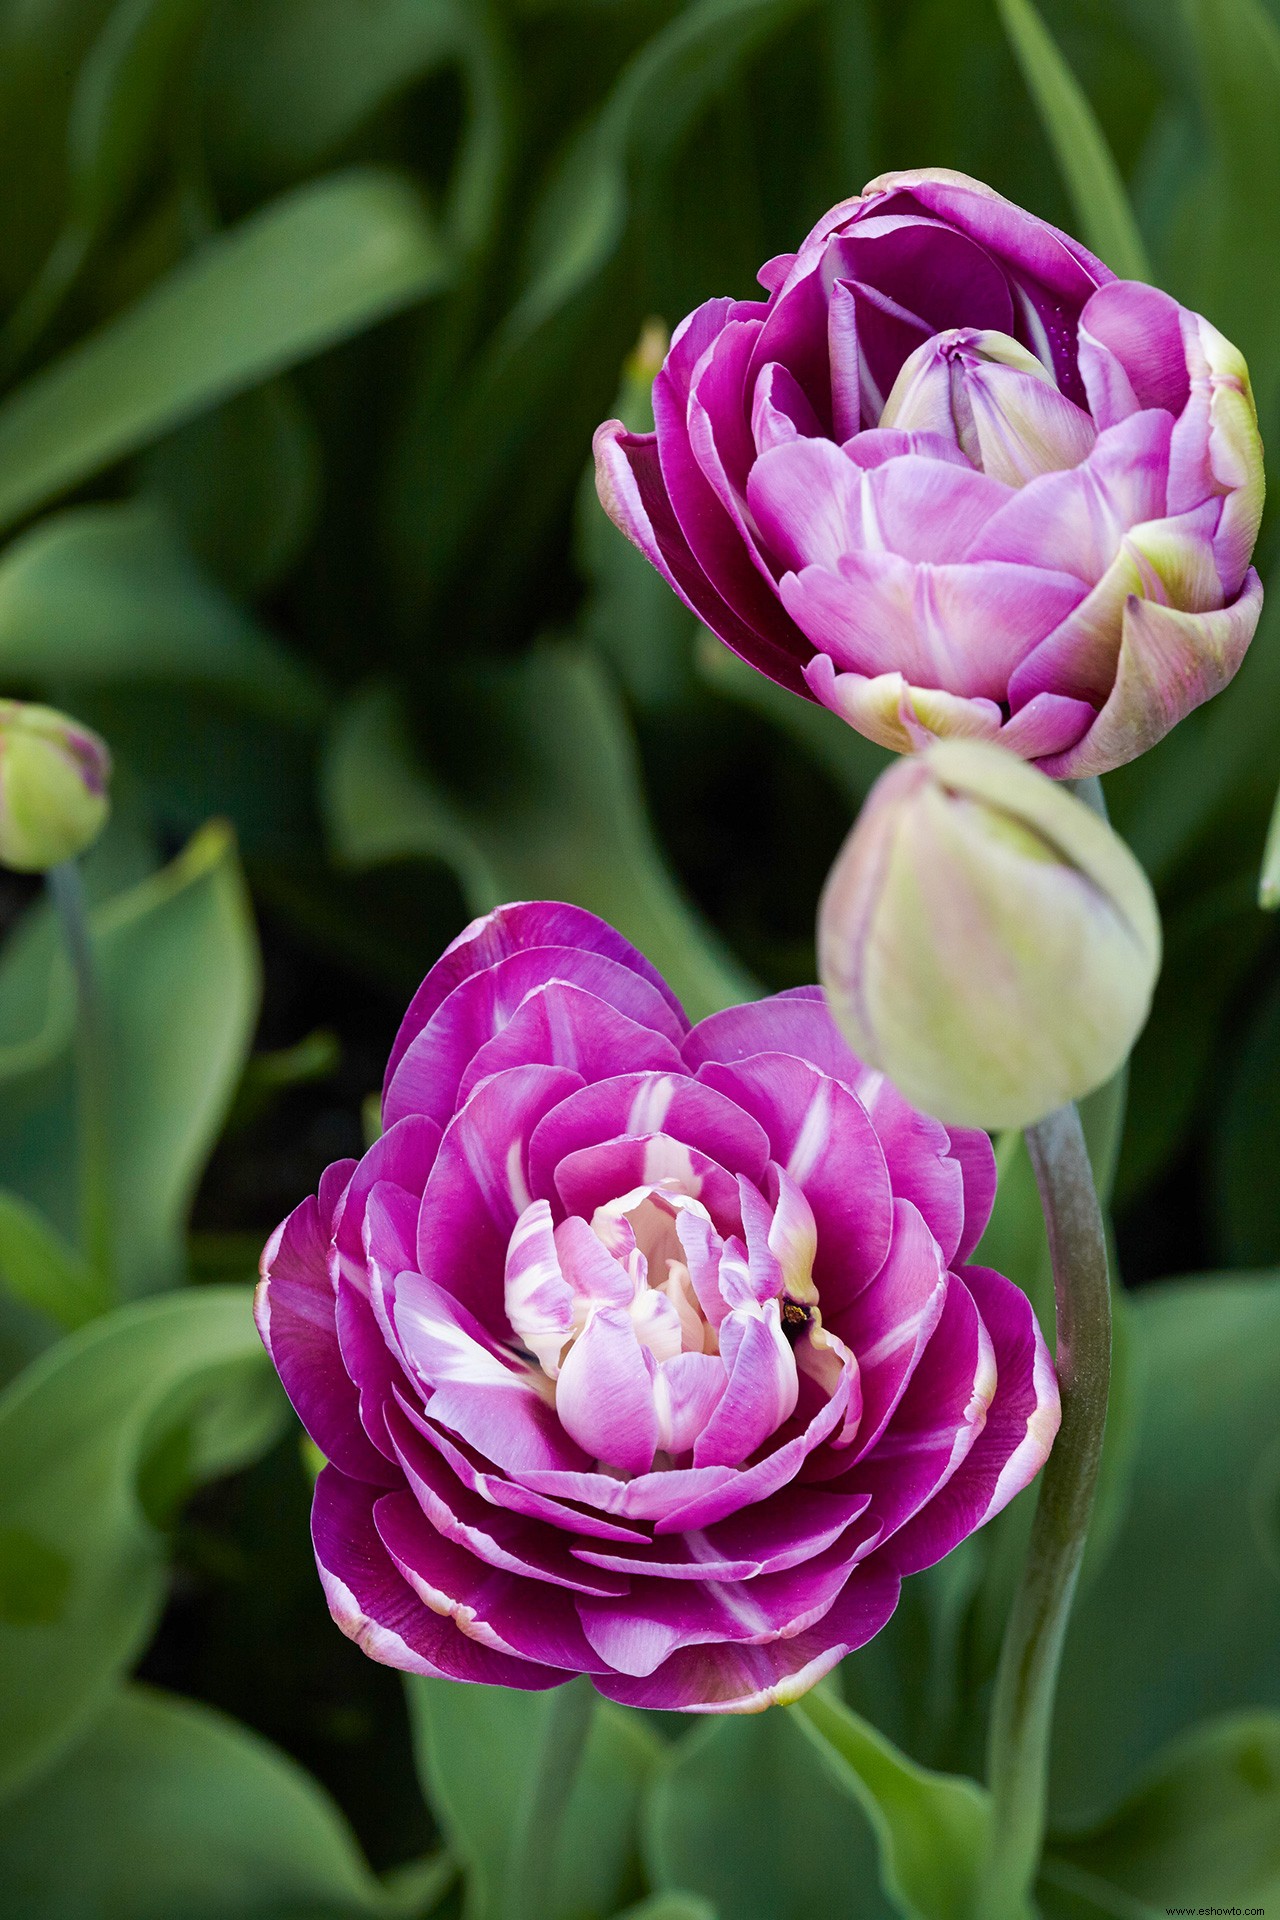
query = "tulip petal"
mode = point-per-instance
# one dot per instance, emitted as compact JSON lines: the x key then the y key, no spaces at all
{"x":640,"y":1104}
{"x":761,"y":1391}
{"x":604,"y":1395}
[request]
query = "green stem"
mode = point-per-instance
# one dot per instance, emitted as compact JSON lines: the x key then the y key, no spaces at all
{"x":535,"y":1854}
{"x":66,"y":890}
{"x":1026,"y":1679}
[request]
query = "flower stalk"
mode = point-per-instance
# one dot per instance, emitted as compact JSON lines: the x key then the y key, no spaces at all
{"x":1026,"y":1679}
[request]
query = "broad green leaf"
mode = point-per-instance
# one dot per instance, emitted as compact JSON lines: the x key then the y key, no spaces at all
{"x":1179,"y":1621}
{"x":671,"y":1906}
{"x":109,"y":595}
{"x":165,"y":1809}
{"x":474,"y":1746}
{"x":178,"y":973}
{"x":38,"y":1267}
{"x":557,"y":813}
{"x":659,"y":95}
{"x":1203,"y":1830}
{"x":932,"y":1827}
{"x":243,"y":483}
{"x":313,"y":267}
{"x":747,"y":1814}
{"x":162,"y":1394}
{"x":1079,"y":144}
{"x":121,"y":92}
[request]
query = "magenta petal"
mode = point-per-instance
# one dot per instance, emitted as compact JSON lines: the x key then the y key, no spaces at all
{"x":638,"y":1105}
{"x":761,"y":1392}
{"x":923,"y":1166}
{"x":562,"y":1025}
{"x":479,"y":1185}
{"x":604,"y":1395}
{"x":746,"y":1678}
{"x":824,"y":1138}
{"x":520,"y":1619}
{"x":594,"y":1176}
{"x":1014,"y":1443}
{"x":372,"y":1365}
{"x":890,"y":1323}
{"x":500,"y":1538}
{"x":806,"y":498}
{"x":296,"y":1311}
{"x":429,"y":1077}
{"x":686,"y":1391}
{"x":375,"y":1606}
{"x":508,"y":929}
{"x":793,"y":1527}
{"x":797,"y":1021}
{"x":977,"y":1160}
{"x":402,"y":1156}
{"x":1131,"y":352}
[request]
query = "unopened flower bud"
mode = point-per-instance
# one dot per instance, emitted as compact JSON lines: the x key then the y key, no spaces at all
{"x":985,"y":939}
{"x":53,"y":787}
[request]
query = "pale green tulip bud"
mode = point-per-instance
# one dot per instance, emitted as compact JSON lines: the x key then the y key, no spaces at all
{"x":53,"y":787}
{"x":985,"y":939}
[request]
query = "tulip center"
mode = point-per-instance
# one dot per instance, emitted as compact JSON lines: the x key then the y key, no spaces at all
{"x":667,"y":1335}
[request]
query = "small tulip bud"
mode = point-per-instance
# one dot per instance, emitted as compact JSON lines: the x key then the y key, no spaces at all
{"x":53,"y":787}
{"x":985,"y":939}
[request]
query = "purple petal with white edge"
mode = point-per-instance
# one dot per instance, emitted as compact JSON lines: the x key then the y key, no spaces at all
{"x":779,"y":409}
{"x":633,"y":493}
{"x":604,"y":1395}
{"x":479,"y":1185}
{"x":793,"y":1527}
{"x":478,"y":1476}
{"x":430,"y":1074}
{"x":562,"y":1025}
{"x":961,"y":627}
{"x":519,"y":1619}
{"x":403,"y":1156}
{"x":792,"y":1236}
{"x":686,"y":1391}
{"x":890,"y":1323}
{"x":1131,"y":352}
{"x":824,"y":1138}
{"x":522,"y":923}
{"x":977,"y":1159}
{"x":538,"y":1298}
{"x":1072,"y":523}
{"x":375,"y":1606}
{"x":642,"y":1104}
{"x":759,"y":1277}
{"x":761,"y":1391}
{"x":938,"y":1419}
{"x":1015,"y":1442}
{"x":295,"y":1308}
{"x":746,"y":1679}
{"x":720,"y":437}
{"x":372,"y":1365}
{"x":500,"y":1538}
{"x":661,"y":1616}
{"x":1169,"y":663}
{"x":594,"y":1176}
{"x":593,"y":1274}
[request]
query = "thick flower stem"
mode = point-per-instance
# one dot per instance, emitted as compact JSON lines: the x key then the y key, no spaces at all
{"x":1022,"y":1708}
{"x":66,"y":889}
{"x":535,"y":1854}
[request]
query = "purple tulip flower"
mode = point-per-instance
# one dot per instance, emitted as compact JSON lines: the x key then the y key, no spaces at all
{"x":953,"y":477}
{"x":639,"y":1351}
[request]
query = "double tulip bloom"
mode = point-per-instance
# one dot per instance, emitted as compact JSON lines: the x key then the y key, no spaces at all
{"x":952,"y":477}
{"x":641,"y":1351}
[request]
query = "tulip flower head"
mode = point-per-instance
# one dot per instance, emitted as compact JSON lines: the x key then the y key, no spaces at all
{"x":952,"y":477}
{"x":639,"y":1350}
{"x":986,"y":939}
{"x":53,"y":787}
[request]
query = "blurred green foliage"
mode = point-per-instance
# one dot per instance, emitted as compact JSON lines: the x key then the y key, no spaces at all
{"x":312,"y":306}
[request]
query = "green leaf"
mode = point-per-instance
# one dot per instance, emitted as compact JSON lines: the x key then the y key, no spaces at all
{"x":1202,"y":1830}
{"x":178,"y":975}
{"x":313,"y":267}
{"x":1246,"y":1205}
{"x":746,"y":1814}
{"x":931,"y":1827}
{"x":108,"y":595}
{"x":1178,"y":1623}
{"x":671,"y":1906}
{"x":473,"y":1745}
{"x":166,"y":1808}
{"x":1079,"y":144}
{"x":39,"y":1268}
{"x":81,"y":1566}
{"x":560,"y":816}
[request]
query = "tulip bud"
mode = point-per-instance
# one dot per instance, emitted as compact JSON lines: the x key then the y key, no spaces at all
{"x":53,"y":787}
{"x":985,"y":939}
